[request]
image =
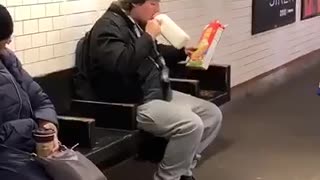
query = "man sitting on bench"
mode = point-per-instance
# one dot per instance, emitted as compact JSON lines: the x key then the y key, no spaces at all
{"x":123,"y":65}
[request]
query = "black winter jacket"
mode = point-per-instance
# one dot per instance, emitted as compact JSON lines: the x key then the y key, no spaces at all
{"x":117,"y":64}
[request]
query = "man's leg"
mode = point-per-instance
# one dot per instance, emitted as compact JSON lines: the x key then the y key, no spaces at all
{"x":182,"y":127}
{"x":209,"y":113}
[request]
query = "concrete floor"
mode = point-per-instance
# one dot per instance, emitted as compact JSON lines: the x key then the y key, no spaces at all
{"x":271,"y":131}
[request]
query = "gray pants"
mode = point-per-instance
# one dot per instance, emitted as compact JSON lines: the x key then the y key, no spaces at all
{"x":189,"y":123}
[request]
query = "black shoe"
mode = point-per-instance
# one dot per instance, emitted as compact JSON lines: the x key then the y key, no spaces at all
{"x":187,"y":178}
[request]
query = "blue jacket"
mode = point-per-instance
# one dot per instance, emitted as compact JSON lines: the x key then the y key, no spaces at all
{"x":22,"y":104}
{"x":20,"y":96}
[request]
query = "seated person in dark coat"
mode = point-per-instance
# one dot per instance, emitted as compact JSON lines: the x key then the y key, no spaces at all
{"x":121,"y":64}
{"x":23,"y":108}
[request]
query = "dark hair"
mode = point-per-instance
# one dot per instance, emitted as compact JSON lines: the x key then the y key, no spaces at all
{"x":127,"y":4}
{"x":6,"y":23}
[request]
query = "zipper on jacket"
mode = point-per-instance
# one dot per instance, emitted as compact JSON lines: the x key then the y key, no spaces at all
{"x":31,"y":110}
{"x":154,"y":62}
{"x":17,"y":91}
{"x":19,"y":95}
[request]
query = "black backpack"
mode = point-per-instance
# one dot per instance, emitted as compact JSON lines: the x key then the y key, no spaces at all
{"x":81,"y":80}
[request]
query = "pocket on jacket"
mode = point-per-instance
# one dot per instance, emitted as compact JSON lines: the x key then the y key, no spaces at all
{"x":18,"y":134}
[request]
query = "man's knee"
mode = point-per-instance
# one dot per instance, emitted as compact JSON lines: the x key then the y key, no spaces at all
{"x":217,"y":114}
{"x":194,"y":125}
{"x":214,"y":113}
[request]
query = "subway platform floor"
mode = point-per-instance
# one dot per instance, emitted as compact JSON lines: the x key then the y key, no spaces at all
{"x":271,"y":130}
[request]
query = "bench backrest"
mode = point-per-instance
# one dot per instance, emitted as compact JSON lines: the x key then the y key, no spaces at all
{"x":59,"y":88}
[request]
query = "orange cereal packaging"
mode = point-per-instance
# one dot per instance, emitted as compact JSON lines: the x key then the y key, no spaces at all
{"x":209,"y":40}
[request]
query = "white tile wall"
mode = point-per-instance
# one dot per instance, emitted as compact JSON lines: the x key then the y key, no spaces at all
{"x":252,"y":55}
{"x":45,"y":24}
{"x":46,"y":32}
{"x":27,"y":2}
{"x":22,"y":13}
{"x":53,"y":37}
{"x":31,"y":55}
{"x":18,"y":28}
{"x":39,"y":40}
{"x":52,"y":9}
{"x":46,"y":52}
{"x":38,"y":11}
{"x":14,"y":2}
{"x":3,"y":2}
{"x":23,"y":42}
{"x":30,"y":26}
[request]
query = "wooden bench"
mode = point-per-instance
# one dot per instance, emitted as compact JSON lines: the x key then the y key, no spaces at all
{"x":107,"y":132}
{"x":99,"y":144}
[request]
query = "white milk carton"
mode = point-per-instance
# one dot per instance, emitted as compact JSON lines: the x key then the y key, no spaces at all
{"x":172,"y":32}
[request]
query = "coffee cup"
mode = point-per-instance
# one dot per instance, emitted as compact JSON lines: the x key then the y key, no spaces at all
{"x":44,"y":141}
